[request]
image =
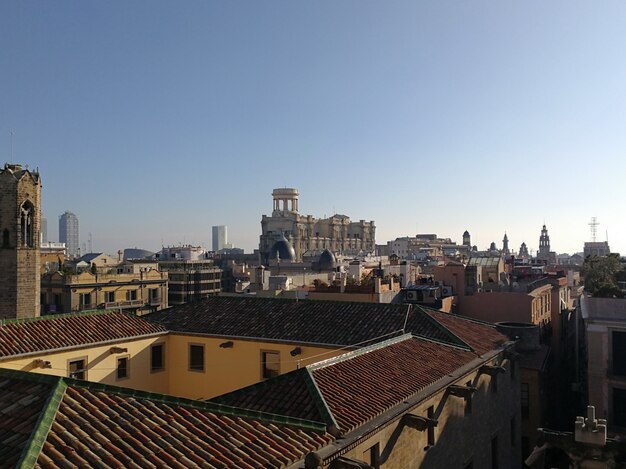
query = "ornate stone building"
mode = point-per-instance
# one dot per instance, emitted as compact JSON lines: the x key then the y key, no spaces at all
{"x":20,"y":215}
{"x":305,"y":233}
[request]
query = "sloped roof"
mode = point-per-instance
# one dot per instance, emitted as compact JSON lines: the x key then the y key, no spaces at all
{"x":331,"y":323}
{"x":480,"y":336}
{"x":47,"y":333}
{"x":93,"y":425}
{"x":352,"y":389}
{"x":21,"y":404}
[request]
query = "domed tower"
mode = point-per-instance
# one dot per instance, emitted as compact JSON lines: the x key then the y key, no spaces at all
{"x":493,"y":247}
{"x":20,"y":218}
{"x":523,"y":251}
{"x":544,"y":244}
{"x":285,"y":200}
{"x":466,"y":239}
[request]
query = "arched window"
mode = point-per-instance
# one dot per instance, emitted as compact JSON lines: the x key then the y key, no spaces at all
{"x":27,"y":224}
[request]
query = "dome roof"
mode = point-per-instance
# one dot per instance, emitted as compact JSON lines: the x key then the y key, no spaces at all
{"x":283,"y":250}
{"x":466,"y":234}
{"x":327,"y":260}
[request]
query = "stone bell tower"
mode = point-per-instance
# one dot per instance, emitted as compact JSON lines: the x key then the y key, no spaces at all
{"x":20,"y":218}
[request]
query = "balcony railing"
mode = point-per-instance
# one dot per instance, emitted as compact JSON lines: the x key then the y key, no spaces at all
{"x":122,"y":304}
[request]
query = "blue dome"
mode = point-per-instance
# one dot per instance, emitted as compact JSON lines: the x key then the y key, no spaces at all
{"x":283,"y":250}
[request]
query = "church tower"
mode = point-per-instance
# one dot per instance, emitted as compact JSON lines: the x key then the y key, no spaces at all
{"x":20,"y":218}
{"x":544,"y":244}
{"x":466,"y":239}
{"x":505,"y":245}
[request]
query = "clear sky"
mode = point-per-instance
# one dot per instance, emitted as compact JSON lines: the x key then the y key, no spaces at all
{"x":153,"y":121}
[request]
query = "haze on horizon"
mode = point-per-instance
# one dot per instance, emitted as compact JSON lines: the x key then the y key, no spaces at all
{"x":153,"y":121}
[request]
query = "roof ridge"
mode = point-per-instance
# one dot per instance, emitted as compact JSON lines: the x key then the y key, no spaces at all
{"x":38,"y":437}
{"x":318,"y":398}
{"x":47,"y":317}
{"x":459,"y":342}
{"x":196,"y":404}
{"x":360,"y":351}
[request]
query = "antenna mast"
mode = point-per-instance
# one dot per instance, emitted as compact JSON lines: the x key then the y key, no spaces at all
{"x":594,"y":228}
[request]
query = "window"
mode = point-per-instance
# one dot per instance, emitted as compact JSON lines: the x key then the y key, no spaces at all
{"x":131,"y":295}
{"x":76,"y":369}
{"x":196,"y":357}
{"x":154,"y":294}
{"x":270,"y":364}
{"x":109,"y":296}
{"x":430,"y":413}
{"x":157,"y":362}
{"x":494,"y":453}
{"x":525,"y":398}
{"x":85,"y":299}
{"x":618,"y":339}
{"x":619,"y":407}
{"x":122,"y":368}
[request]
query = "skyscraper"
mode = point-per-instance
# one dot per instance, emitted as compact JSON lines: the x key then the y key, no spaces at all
{"x":220,"y":238}
{"x":44,"y":230}
{"x":68,"y":233}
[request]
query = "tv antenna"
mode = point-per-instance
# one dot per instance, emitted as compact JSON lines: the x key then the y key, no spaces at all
{"x":594,"y":228}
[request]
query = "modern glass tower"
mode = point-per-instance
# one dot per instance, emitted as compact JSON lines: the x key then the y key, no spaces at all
{"x":68,"y":233}
{"x":219,"y":237}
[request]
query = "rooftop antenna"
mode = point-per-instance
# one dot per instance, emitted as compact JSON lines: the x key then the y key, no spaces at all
{"x":594,"y":228}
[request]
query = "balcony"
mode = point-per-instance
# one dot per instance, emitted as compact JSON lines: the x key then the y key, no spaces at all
{"x":122,"y":304}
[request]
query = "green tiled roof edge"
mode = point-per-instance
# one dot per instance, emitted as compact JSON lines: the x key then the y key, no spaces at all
{"x":320,"y":402}
{"x":31,"y":451}
{"x":200,"y":405}
{"x":48,"y":317}
{"x":456,"y":340}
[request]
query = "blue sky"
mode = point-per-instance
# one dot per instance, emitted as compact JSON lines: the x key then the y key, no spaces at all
{"x":153,"y":121}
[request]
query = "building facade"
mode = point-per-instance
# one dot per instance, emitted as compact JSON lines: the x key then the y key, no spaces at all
{"x":20,"y":215}
{"x":192,"y":274}
{"x":137,"y":292}
{"x":306,"y":233}
{"x":68,"y":234}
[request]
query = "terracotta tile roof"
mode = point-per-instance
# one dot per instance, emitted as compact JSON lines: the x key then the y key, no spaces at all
{"x":292,"y":394}
{"x":358,"y":386}
{"x":94,"y":425}
{"x":21,"y":404}
{"x":317,"y":322}
{"x":480,"y":336}
{"x":66,"y":330}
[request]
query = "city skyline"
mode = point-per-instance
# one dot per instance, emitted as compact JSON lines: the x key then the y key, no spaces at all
{"x":153,"y":122}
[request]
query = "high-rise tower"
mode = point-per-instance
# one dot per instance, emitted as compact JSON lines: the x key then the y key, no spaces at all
{"x":68,"y":233}
{"x":20,"y":218}
{"x":219,"y":237}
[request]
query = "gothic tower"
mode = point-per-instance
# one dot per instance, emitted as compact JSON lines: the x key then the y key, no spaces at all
{"x":505,"y":245}
{"x":544,"y":244}
{"x":466,"y":239}
{"x":20,"y":218}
